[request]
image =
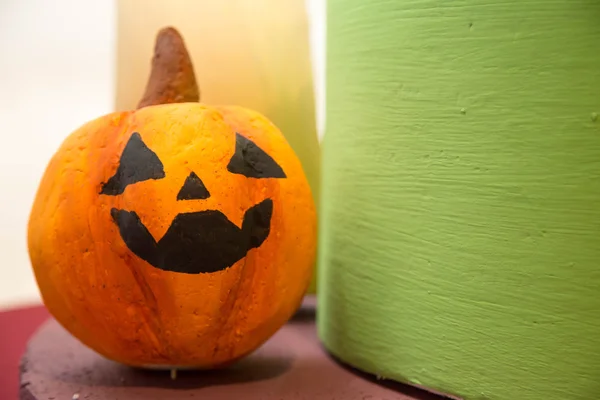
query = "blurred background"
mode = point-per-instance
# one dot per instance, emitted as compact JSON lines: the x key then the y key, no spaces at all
{"x":58,"y":70}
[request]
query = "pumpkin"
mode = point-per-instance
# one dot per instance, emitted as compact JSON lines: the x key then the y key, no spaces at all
{"x":178,"y":234}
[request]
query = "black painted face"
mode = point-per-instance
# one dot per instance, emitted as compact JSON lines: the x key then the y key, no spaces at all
{"x":195,"y":242}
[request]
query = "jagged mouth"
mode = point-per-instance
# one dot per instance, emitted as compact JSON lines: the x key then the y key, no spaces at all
{"x":196,"y":242}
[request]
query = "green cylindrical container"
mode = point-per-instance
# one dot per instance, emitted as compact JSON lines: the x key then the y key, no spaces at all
{"x":460,"y":221}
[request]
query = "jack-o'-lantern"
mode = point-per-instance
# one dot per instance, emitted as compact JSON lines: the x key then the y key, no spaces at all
{"x":178,"y":234}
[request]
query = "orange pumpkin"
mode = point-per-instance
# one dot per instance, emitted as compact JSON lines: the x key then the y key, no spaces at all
{"x":178,"y":234}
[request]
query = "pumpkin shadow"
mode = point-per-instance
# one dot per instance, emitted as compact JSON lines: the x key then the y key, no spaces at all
{"x":107,"y":374}
{"x":251,"y":369}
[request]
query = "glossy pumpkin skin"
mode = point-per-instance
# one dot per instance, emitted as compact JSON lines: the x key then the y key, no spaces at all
{"x":132,"y":312}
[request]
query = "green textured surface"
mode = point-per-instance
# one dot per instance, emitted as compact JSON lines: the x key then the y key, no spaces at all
{"x":460,"y":220}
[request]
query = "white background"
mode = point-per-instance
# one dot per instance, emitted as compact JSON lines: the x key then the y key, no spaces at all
{"x":56,"y":72}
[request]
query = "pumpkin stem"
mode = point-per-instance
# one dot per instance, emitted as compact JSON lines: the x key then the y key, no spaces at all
{"x":172,"y":77}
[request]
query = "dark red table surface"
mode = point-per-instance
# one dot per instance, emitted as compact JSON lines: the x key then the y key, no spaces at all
{"x":16,"y":327}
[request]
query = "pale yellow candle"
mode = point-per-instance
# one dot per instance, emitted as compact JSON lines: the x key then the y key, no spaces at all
{"x":253,"y":53}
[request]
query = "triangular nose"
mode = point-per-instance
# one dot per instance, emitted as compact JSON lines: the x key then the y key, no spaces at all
{"x":193,"y":189}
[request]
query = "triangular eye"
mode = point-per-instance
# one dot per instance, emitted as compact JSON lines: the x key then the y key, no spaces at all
{"x":251,"y":161}
{"x":138,"y":163}
{"x":193,"y":189}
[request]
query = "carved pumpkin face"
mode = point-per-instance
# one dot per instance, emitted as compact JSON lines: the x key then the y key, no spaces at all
{"x":177,"y":234}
